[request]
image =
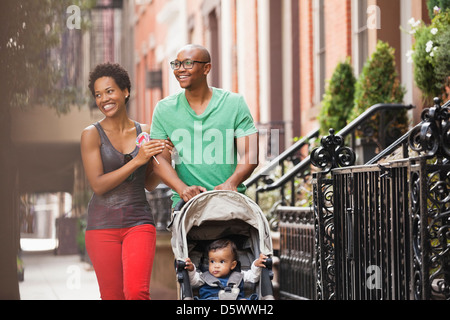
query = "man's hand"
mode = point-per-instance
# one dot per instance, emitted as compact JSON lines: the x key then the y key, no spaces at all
{"x":226,"y":186}
{"x":189,"y":192}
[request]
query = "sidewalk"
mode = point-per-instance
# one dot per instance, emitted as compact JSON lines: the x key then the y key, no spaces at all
{"x":52,"y":277}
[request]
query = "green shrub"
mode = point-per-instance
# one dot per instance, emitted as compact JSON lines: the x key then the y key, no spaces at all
{"x":441,"y":4}
{"x":442,"y":66}
{"x":431,"y":56}
{"x":338,"y":99}
{"x":379,"y":83}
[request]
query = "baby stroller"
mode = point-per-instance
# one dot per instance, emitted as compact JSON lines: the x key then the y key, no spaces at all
{"x":214,"y":215}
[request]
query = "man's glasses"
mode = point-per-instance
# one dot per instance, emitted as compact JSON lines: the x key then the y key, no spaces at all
{"x":127,"y":158}
{"x":187,"y":64}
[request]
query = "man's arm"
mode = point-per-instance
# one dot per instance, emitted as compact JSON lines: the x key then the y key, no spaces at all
{"x":248,"y":151}
{"x":170,"y":177}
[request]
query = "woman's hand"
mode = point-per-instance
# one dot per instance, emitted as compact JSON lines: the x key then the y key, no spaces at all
{"x":150,"y":149}
{"x":169,"y":145}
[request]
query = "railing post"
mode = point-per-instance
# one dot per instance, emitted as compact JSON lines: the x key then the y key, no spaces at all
{"x":331,"y":154}
{"x":430,"y":204}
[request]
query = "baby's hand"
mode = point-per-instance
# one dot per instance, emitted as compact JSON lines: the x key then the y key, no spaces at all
{"x":260,"y":261}
{"x":189,"y":265}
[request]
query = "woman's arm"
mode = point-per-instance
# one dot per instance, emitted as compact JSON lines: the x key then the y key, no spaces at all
{"x":93,"y":166}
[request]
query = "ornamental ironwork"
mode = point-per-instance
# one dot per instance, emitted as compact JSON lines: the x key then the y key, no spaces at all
{"x":383,"y":230}
{"x":432,"y":137}
{"x":332,"y":153}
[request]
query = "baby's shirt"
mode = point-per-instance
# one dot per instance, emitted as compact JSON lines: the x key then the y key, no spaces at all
{"x":252,"y":275}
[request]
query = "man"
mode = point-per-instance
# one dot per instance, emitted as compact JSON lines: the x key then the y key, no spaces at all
{"x":209,"y":127}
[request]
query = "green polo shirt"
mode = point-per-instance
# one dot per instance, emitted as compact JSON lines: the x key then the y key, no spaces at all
{"x":205,"y":143}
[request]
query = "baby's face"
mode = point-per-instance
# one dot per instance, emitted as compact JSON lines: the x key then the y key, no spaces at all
{"x":221,"y":262}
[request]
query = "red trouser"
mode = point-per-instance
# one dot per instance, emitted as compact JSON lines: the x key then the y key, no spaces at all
{"x":123,"y":261}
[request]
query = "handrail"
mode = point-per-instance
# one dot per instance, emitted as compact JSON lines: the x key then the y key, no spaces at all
{"x":283,"y":156}
{"x":401,"y":140}
{"x":393,"y":146}
{"x":368,"y":113}
{"x":343,"y":132}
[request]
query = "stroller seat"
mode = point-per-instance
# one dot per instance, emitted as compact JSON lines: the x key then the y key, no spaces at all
{"x":221,"y":214}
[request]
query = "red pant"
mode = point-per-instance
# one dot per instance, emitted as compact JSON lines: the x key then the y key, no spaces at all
{"x":123,"y":261}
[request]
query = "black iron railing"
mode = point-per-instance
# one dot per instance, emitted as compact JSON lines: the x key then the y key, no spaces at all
{"x":382,"y":230}
{"x":297,"y":257}
{"x":297,"y":271}
{"x":290,"y":157}
{"x":264,"y":181}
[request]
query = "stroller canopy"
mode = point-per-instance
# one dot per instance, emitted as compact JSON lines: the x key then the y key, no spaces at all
{"x":219,"y":213}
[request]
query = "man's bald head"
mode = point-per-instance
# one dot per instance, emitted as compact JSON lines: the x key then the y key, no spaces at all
{"x":200,"y":52}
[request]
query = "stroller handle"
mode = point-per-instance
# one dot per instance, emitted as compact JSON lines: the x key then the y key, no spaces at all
{"x":183,"y":279}
{"x":268,"y":263}
{"x":180,"y":205}
{"x":177,"y":208}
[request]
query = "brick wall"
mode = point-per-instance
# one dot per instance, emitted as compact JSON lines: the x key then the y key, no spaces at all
{"x":306,"y":66}
{"x":338,"y":22}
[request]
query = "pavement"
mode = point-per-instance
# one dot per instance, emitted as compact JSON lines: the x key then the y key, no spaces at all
{"x":51,"y":277}
{"x":65,"y":277}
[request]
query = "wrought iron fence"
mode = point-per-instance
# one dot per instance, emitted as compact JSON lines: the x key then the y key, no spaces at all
{"x":295,"y":169}
{"x":297,"y":271}
{"x":382,"y":230}
{"x":297,"y":256}
{"x":366,"y":232}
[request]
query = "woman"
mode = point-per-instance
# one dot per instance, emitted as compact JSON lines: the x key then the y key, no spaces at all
{"x":120,"y":235}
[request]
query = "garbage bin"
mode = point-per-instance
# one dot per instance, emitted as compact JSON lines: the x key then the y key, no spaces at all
{"x":67,"y":230}
{"x":161,"y":205}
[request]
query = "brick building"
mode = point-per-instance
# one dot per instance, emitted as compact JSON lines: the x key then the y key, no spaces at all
{"x":277,"y":53}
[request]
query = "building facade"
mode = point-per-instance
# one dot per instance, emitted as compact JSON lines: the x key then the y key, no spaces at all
{"x":278,"y":54}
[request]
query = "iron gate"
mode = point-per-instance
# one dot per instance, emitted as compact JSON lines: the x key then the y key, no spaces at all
{"x":383,"y":231}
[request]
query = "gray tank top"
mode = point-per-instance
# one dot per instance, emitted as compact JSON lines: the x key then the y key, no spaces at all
{"x":126,"y":205}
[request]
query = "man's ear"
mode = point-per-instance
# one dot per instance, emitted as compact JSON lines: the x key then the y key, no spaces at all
{"x":207,"y":69}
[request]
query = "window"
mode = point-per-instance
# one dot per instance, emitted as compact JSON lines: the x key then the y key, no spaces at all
{"x":319,"y":50}
{"x":360,"y":35}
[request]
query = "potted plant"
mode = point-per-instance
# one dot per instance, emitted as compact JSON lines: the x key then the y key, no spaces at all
{"x":430,"y":54}
{"x":338,"y":99}
{"x":379,"y":83}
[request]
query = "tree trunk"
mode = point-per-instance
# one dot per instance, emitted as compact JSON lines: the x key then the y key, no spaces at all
{"x":9,"y":226}
{"x":9,"y":218}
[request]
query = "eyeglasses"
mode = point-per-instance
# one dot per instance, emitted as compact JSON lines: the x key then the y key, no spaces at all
{"x":127,"y":158}
{"x":187,"y":64}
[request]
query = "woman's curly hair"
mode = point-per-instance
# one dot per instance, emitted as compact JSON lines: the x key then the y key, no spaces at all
{"x":112,"y":70}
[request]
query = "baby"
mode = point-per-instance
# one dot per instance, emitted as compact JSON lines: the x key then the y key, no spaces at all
{"x":221,"y":281}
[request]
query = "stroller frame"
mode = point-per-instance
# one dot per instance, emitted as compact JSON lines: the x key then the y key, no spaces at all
{"x":218,"y":214}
